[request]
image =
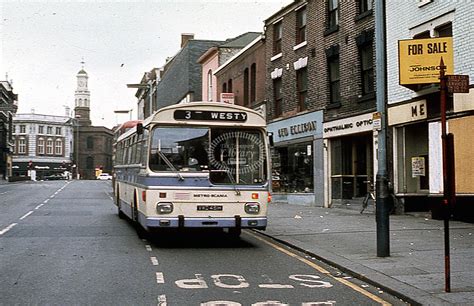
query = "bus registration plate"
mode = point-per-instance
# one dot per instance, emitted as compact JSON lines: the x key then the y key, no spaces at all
{"x":209,"y":207}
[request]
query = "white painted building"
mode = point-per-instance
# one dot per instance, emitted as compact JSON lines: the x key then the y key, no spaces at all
{"x":43,"y":143}
{"x":414,"y":111}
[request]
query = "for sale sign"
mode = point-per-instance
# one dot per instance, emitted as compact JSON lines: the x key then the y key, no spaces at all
{"x":419,"y":59}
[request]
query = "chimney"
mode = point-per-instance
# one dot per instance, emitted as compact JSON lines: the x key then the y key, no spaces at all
{"x":185,"y":37}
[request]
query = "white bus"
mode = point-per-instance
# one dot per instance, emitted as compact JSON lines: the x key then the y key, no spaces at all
{"x":194,"y":165}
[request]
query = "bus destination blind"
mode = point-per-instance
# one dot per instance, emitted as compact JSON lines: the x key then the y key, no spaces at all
{"x":190,"y":115}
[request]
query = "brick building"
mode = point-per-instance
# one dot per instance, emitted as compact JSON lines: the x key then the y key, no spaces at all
{"x":320,"y":90}
{"x":246,"y":72}
{"x":414,"y":111}
{"x":217,"y":56}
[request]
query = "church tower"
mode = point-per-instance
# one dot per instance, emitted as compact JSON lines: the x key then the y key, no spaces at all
{"x":82,"y":98}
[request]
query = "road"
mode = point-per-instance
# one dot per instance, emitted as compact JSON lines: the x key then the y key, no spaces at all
{"x":61,"y":242}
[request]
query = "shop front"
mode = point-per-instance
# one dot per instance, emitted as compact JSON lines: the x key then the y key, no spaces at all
{"x":417,"y":153}
{"x":349,"y":157}
{"x":40,"y":170}
{"x":297,"y":162}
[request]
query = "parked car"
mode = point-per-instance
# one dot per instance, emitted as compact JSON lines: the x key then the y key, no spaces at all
{"x":54,"y":177}
{"x":104,"y":177}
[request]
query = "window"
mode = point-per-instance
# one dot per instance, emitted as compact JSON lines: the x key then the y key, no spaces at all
{"x":301,"y":25}
{"x":445,"y":30}
{"x":246,"y":86}
{"x":22,"y":145}
{"x":15,"y":150}
{"x":40,"y":129}
{"x":209,"y":85}
{"x":367,"y":68}
{"x":333,"y":14}
{"x":41,"y":146}
{"x":50,"y":130}
{"x":365,"y":6}
{"x":302,"y":87}
{"x":49,"y":146}
{"x":229,"y":86}
{"x":89,"y":162}
{"x":292,"y":168}
{"x":277,"y":35}
{"x":334,"y":81}
{"x":253,"y":83}
{"x":90,"y":142}
{"x":224,"y":87}
{"x":58,"y":131}
{"x":58,"y":150}
{"x":277,"y":96}
{"x":22,"y":129}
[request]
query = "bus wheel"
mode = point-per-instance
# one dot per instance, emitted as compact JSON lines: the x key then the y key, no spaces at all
{"x":120,"y":213}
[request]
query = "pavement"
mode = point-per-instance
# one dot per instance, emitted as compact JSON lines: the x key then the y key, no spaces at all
{"x":415,"y":269}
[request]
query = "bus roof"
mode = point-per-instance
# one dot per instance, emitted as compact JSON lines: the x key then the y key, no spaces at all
{"x":208,"y":113}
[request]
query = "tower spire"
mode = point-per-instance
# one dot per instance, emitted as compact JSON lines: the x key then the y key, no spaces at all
{"x":82,"y":62}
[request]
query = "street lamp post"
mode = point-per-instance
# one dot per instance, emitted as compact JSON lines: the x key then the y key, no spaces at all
{"x":148,"y":86}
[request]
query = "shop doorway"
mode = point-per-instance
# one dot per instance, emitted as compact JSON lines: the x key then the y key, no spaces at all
{"x":351,"y":167}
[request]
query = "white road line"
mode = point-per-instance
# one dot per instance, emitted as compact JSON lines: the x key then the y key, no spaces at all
{"x":39,"y":206}
{"x":160,"y":279}
{"x":3,"y":192}
{"x":148,"y":248}
{"x":51,"y":196}
{"x":45,"y":201}
{"x":3,"y":231}
{"x":26,"y":215}
{"x":275,"y":286}
{"x":162,"y":300}
{"x":154,"y":261}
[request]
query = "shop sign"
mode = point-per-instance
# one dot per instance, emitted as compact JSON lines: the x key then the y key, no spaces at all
{"x":377,"y":121}
{"x":358,"y":124}
{"x":296,"y":127}
{"x":407,"y":112}
{"x":418,"y":166}
{"x":419,"y":59}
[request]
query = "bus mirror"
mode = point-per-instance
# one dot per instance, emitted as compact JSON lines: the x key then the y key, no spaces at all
{"x":139,"y":128}
{"x":270,"y":138}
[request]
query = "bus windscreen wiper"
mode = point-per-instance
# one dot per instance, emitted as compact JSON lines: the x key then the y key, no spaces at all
{"x":170,"y":165}
{"x":231,"y":179}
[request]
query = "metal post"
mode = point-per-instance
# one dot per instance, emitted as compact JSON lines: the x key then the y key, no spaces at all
{"x":382,"y":198}
{"x":77,"y":148}
{"x":446,"y":178}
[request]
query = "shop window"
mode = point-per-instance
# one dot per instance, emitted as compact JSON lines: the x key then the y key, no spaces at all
{"x":293,"y":168}
{"x":277,"y":96}
{"x":412,"y":158}
{"x":302,"y":87}
{"x":301,"y":25}
{"x":351,"y":166}
{"x":277,"y":36}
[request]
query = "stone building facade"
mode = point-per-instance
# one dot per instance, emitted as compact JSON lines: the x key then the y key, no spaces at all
{"x":8,"y":108}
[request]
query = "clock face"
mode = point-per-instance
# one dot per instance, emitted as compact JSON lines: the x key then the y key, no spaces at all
{"x":82,"y":83}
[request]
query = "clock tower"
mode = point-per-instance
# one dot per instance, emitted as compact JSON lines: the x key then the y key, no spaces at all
{"x":82,"y":98}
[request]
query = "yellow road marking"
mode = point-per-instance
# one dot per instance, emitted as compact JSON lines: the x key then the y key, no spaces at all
{"x":322,"y":270}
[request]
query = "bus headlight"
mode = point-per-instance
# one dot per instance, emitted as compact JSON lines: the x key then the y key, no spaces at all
{"x":252,"y":208}
{"x":164,"y":208}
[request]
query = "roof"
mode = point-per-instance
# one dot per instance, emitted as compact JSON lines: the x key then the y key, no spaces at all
{"x":82,"y":71}
{"x":241,"y":40}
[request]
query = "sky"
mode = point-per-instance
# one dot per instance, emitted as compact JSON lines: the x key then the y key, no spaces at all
{"x":42,"y":45}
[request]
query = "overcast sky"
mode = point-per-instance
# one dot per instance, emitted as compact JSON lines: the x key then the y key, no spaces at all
{"x":44,"y":42}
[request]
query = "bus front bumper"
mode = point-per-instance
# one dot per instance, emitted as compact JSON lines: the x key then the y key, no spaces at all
{"x":237,"y":221}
